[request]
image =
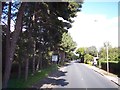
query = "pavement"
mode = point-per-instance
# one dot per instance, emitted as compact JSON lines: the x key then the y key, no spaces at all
{"x":114,"y":78}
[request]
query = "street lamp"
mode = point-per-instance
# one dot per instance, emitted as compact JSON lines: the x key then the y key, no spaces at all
{"x":106,"y":44}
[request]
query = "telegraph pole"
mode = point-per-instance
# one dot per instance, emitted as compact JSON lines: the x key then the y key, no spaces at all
{"x":106,"y":45}
{"x":107,"y":60}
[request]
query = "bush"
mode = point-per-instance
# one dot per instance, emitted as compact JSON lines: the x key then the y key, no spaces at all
{"x":90,"y":63}
{"x":88,"y":58}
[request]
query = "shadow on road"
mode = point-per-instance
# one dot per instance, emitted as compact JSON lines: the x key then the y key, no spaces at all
{"x":58,"y":74}
{"x":53,"y":79}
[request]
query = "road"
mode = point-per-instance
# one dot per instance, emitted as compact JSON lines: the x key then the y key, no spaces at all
{"x":77,"y":75}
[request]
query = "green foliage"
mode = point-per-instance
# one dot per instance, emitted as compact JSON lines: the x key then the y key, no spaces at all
{"x":102,"y":60}
{"x":113,"y":54}
{"x":75,"y":57}
{"x":86,"y":54}
{"x":48,"y":33}
{"x":67,"y":43}
{"x":80,"y":51}
{"x":88,"y":58}
{"x":102,"y":53}
{"x":42,"y":32}
{"x":109,"y":61}
{"x":72,"y":56}
{"x":92,"y":50}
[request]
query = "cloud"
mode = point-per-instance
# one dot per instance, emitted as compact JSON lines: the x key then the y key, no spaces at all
{"x":88,"y":30}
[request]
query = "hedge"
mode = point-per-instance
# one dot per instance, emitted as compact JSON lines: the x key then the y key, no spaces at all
{"x":114,"y":66}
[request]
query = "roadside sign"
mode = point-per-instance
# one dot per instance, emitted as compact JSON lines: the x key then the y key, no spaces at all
{"x":55,"y":58}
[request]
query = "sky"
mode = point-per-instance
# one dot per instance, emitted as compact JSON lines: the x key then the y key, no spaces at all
{"x":95,"y":24}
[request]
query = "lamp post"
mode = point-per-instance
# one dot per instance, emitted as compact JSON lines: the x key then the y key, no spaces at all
{"x":106,"y":44}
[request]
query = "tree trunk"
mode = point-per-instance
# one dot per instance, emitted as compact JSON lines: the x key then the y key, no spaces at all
{"x":41,"y":60}
{"x":26,"y":68}
{"x":38,"y":65}
{"x":11,"y":48}
{"x":62,"y":57}
{"x":33,"y":65}
{"x":7,"y":61}
{"x":19,"y":71}
{"x":2,"y":4}
{"x":34,"y":43}
{"x":34,"y":52}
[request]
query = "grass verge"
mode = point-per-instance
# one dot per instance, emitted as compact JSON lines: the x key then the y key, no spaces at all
{"x":21,"y":83}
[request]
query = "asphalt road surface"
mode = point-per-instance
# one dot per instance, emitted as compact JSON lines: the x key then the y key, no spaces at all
{"x":77,"y":75}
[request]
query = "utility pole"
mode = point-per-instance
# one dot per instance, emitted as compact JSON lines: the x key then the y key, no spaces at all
{"x":107,"y":61}
{"x":106,"y":45}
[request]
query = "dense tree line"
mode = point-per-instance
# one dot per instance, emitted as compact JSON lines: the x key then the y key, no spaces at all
{"x":67,"y":46}
{"x":37,"y":33}
{"x":87,"y":54}
{"x":113,"y":53}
